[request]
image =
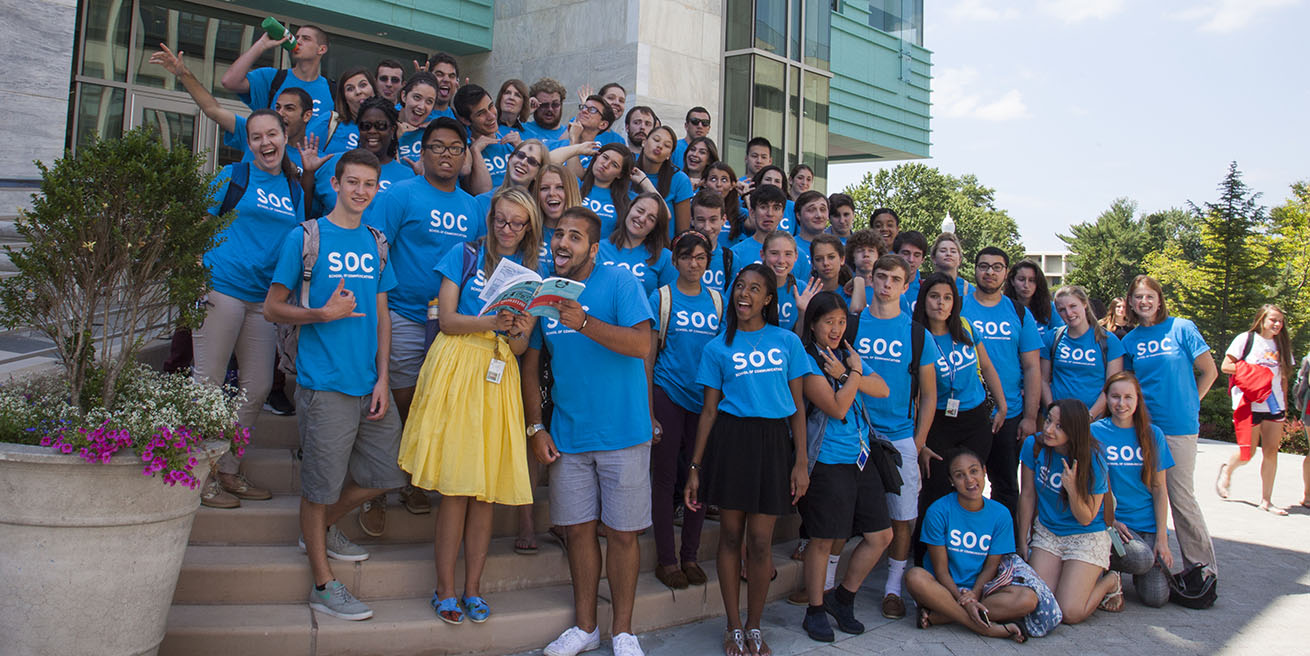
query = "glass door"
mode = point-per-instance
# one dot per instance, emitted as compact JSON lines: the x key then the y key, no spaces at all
{"x":175,"y":121}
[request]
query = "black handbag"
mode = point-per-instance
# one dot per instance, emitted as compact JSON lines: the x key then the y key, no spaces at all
{"x":885,"y":457}
{"x":1194,"y":588}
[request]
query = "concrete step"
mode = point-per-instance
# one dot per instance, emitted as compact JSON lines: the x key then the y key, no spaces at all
{"x":520,"y":620}
{"x":278,"y":470}
{"x":275,"y":431}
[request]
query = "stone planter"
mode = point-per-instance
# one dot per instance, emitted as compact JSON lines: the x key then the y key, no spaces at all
{"x":89,"y":553}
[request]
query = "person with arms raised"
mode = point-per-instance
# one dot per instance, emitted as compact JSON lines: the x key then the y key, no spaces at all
{"x":377,"y":134}
{"x":260,"y":88}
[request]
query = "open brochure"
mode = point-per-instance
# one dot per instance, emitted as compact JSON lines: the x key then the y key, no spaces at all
{"x":520,"y":290}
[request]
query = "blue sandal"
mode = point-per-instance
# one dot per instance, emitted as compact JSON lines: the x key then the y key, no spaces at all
{"x":477,"y":608}
{"x":447,"y":609}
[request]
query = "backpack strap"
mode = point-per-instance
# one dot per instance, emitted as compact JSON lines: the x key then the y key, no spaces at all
{"x":666,"y":311}
{"x":308,"y":257}
{"x":717,"y":299}
{"x":276,"y":83}
{"x":384,"y":248}
{"x":727,"y":270}
{"x":1246,"y":348}
{"x":1019,"y":310}
{"x":297,"y":193}
{"x":470,"y":263}
{"x":334,"y":121}
{"x":236,"y":187}
{"x":916,"y":354}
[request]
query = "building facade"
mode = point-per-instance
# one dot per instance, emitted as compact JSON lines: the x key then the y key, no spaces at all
{"x":824,"y":80}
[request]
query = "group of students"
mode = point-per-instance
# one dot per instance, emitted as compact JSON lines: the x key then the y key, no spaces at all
{"x":737,"y":346}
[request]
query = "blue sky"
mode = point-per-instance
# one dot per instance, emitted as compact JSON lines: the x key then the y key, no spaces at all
{"x":1064,"y":105}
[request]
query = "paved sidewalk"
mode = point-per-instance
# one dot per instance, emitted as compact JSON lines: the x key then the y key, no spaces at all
{"x":1263,"y":607}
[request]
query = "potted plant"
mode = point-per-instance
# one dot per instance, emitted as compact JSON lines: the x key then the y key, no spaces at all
{"x":100,"y":461}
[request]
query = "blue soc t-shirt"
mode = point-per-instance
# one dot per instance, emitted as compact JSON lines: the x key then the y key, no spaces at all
{"x":531,"y":130}
{"x":241,"y":265}
{"x":969,"y":536}
{"x":325,"y":198}
{"x":842,"y":437}
{"x":1047,"y":329}
{"x":422,"y":222}
{"x":1006,"y":336}
{"x":886,"y":346}
{"x":957,"y":372}
{"x":754,"y":372}
{"x":1163,"y":358}
{"x":341,"y":355}
{"x":345,"y":137}
{"x":693,"y":322}
{"x":1077,"y":365}
{"x":636,"y":261}
{"x":410,"y":145}
{"x":1048,"y":475}
{"x":715,"y":274}
{"x":679,"y":190}
{"x":260,"y":79}
{"x":590,"y":416}
{"x":451,"y":267}
{"x":496,"y":158}
{"x":1134,"y":505}
{"x":601,"y":202}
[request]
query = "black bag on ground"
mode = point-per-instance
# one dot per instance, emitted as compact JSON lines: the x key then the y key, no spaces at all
{"x":1193,"y":588}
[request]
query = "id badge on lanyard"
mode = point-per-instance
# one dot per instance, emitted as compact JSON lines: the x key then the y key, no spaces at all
{"x":952,"y":403}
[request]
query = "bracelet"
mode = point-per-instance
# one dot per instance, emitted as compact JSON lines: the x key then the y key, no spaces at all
{"x":583,"y":327}
{"x":695,"y":466}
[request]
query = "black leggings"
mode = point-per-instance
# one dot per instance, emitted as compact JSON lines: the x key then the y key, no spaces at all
{"x":972,"y":430}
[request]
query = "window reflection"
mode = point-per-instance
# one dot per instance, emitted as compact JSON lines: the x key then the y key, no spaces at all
{"x":99,"y":114}
{"x":104,"y":44}
{"x":887,"y":15}
{"x":210,"y":43}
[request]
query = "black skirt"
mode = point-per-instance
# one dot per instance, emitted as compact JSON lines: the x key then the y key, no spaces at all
{"x":748,"y":465}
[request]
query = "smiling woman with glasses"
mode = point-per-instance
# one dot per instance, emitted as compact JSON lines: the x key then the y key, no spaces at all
{"x":464,"y":434}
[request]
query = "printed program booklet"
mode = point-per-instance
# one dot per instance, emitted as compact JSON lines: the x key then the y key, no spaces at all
{"x":520,"y":290}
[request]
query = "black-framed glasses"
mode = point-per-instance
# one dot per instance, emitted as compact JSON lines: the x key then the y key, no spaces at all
{"x":442,"y":149}
{"x":997,"y":267}
{"x":702,"y":122}
{"x":587,"y":109}
{"x":514,"y":226}
{"x":526,"y":157}
{"x":374,"y":125}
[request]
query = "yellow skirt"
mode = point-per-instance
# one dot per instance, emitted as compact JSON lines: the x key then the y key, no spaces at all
{"x":465,"y":435}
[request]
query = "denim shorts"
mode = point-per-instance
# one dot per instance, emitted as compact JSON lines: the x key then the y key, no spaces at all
{"x":337,"y":438}
{"x":612,"y":486}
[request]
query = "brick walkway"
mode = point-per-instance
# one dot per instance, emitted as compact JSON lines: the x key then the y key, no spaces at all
{"x":1263,"y":607}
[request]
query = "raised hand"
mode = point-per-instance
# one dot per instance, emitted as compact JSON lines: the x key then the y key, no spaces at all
{"x":170,"y":61}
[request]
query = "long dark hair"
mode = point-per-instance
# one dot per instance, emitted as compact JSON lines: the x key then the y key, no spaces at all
{"x":1084,"y":450}
{"x":709,"y":146}
{"x":833,"y":241}
{"x":664,"y":178}
{"x":389,"y":110}
{"x":657,"y":240}
{"x":1141,"y":423}
{"x":1040,"y":305}
{"x":619,"y":187}
{"x":289,"y":168}
{"x":343,"y":107}
{"x":770,"y":307}
{"x":1282,"y":339}
{"x":953,"y":324}
{"x":759,"y":179}
{"x":821,"y":304}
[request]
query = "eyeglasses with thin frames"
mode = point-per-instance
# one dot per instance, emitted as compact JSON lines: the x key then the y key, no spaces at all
{"x":442,"y":149}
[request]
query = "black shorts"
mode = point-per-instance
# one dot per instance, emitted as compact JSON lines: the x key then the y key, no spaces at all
{"x":843,"y":501}
{"x":1257,"y":417}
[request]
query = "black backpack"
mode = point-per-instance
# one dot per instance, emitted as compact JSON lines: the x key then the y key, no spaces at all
{"x":916,"y":352}
{"x":1194,"y":588}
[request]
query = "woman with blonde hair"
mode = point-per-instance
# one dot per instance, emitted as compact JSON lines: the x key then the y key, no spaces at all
{"x":1266,"y":345}
{"x":1116,"y":318}
{"x":1080,"y":355}
{"x":465,"y":433}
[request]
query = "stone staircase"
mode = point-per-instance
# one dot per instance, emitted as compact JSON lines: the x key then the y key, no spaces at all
{"x":244,"y":582}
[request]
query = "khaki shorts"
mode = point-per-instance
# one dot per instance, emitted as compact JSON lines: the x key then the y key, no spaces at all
{"x":1093,"y":548}
{"x":337,"y":438}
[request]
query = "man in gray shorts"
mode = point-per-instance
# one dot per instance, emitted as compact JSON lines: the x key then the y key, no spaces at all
{"x":348,"y":424}
{"x":599,"y":452}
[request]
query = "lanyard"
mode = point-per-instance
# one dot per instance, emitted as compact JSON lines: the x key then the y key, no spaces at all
{"x":950,"y":369}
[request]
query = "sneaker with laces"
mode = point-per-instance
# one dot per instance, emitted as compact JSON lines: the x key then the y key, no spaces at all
{"x":214,"y":496}
{"x":575,"y":641}
{"x":240,"y":487}
{"x":625,"y":644}
{"x":336,"y":600}
{"x":373,"y":516}
{"x":416,"y":501}
{"x":339,"y":547}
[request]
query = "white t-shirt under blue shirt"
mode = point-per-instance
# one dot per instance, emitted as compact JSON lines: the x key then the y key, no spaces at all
{"x":1078,"y":365}
{"x":1006,"y":336}
{"x":1263,"y":352}
{"x":340,"y":355}
{"x":1048,"y":476}
{"x":754,"y":372}
{"x":1134,"y":505}
{"x":241,"y":264}
{"x":601,"y":398}
{"x":1163,"y":358}
{"x":969,"y":536}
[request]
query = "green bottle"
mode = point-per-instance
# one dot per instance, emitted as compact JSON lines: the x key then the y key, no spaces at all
{"x":276,"y":31}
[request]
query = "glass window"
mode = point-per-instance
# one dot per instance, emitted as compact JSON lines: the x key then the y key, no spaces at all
{"x":794,"y":31}
{"x":814,"y":128}
{"x":345,"y":52}
{"x":175,"y":130}
{"x":99,"y":113}
{"x":209,"y":42}
{"x":818,"y":34}
{"x":900,"y":18}
{"x":771,"y":26}
{"x":738,"y":19}
{"x":104,"y":41}
{"x":769,"y":103}
{"x":736,"y":110}
{"x":793,"y":118}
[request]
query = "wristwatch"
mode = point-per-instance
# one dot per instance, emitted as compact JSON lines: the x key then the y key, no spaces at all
{"x":532,"y":429}
{"x":844,"y":377}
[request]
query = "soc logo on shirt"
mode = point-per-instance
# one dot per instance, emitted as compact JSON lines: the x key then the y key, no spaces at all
{"x":383,"y":185}
{"x":449,"y":222}
{"x":1126,"y":454}
{"x":957,"y":359}
{"x":757,"y":359}
{"x":599,"y":207}
{"x":880,"y":347}
{"x":553,"y":326}
{"x":683,"y":319}
{"x":969,"y":540}
{"x":993,"y":328}
{"x":638,"y":269}
{"x":409,"y":151}
{"x":350,"y":262}
{"x":1077,"y":354}
{"x":495,"y":164}
{"x":269,"y":201}
{"x":1054,"y":481}
{"x":352,"y":141}
{"x":786,"y":310}
{"x":1155,"y":347}
{"x":714,"y":278}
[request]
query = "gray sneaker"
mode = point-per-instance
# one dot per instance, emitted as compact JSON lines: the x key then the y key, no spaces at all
{"x":339,"y":547}
{"x":336,"y":600}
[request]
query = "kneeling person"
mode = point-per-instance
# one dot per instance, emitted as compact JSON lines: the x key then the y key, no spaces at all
{"x":343,"y":405}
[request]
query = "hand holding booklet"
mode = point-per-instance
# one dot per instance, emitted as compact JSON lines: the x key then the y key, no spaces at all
{"x":520,"y":290}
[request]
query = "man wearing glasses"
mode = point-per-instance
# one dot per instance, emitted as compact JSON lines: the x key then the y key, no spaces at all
{"x":1009,"y":332}
{"x":546,"y":98}
{"x":697,"y":125}
{"x":592,"y":123}
{"x":391,"y":77}
{"x":423,"y":219}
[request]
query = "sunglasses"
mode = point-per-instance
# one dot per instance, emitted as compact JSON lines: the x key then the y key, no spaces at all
{"x":702,"y":122}
{"x":374,"y":125}
{"x":551,"y":105}
{"x":526,"y":157}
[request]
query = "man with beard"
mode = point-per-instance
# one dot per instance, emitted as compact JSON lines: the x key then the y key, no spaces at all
{"x":546,"y":96}
{"x":1009,"y":332}
{"x":598,"y":448}
{"x":639,"y":122}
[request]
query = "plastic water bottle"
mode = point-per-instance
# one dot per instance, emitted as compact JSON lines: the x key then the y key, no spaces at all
{"x":276,"y":31}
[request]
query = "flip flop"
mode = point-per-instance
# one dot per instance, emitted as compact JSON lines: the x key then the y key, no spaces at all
{"x":757,"y":644}
{"x":1219,"y":487}
{"x":526,"y":546}
{"x":1019,"y":635}
{"x":1114,"y":600}
{"x":734,"y":643}
{"x":1273,"y":510}
{"x":923,"y":621}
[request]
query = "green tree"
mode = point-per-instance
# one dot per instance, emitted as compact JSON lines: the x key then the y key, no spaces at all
{"x":1109,"y":252}
{"x":922,"y":195}
{"x":1291,"y":247}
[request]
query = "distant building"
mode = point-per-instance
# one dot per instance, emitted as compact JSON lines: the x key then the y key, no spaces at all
{"x":1054,"y":264}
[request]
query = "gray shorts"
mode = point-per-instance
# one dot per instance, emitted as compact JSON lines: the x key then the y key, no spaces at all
{"x":904,"y":507}
{"x":613,"y":486}
{"x":336,"y":438}
{"x":407,"y":352}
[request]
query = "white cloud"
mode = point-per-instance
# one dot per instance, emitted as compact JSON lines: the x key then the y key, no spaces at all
{"x":1225,"y":16}
{"x":955,"y":96}
{"x":1077,"y":11}
{"x":980,"y":11}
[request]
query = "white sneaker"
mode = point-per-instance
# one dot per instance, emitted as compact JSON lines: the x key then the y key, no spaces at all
{"x":574,"y":641}
{"x":625,"y":644}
